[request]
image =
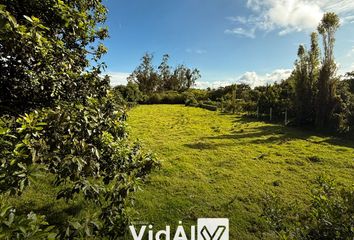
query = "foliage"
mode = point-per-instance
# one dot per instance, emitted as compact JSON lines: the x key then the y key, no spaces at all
{"x":32,"y":226}
{"x":44,"y":47}
{"x":86,"y":148}
{"x":330,"y":215}
{"x":59,"y":118}
{"x":327,"y":100}
{"x":305,"y":76}
{"x":165,"y":78}
{"x":129,"y":93}
{"x":168,"y":97}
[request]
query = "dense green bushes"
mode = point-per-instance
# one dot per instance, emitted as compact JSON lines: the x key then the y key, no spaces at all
{"x":170,"y":97}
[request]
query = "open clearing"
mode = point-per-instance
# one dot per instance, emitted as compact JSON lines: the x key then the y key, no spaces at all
{"x":219,"y":165}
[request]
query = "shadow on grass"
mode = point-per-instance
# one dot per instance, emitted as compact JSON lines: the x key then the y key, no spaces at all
{"x":201,"y":146}
{"x":54,"y":216}
{"x":207,"y":146}
{"x":278,"y":134}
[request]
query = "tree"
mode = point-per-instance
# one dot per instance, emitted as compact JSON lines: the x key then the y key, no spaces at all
{"x":326,"y":98}
{"x":190,"y":77}
{"x":164,"y":73}
{"x":314,"y":65}
{"x":165,"y":79}
{"x":59,"y":118}
{"x":129,"y":93}
{"x":349,"y":77}
{"x":44,"y":52}
{"x":302,"y":87}
{"x":306,"y":75}
{"x":233,"y":98}
{"x":145,"y":75}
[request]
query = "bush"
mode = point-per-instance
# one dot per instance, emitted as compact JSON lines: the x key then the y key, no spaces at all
{"x":330,"y":215}
{"x":86,"y":148}
{"x":31,"y":226}
{"x":129,"y":93}
{"x":190,"y":99}
{"x":198,"y":94}
{"x":170,"y":97}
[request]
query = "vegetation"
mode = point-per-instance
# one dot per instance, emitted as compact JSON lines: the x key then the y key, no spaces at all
{"x":68,"y":167}
{"x":59,"y":120}
{"x":223,"y":165}
{"x":313,"y":96}
{"x":165,"y":78}
{"x":329,"y":216}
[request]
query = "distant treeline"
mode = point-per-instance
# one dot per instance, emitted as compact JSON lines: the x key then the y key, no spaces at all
{"x":312,"y":96}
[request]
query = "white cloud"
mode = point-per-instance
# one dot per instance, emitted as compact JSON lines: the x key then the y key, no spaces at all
{"x":240,"y":31}
{"x":251,"y":78}
{"x":214,"y":84}
{"x":348,"y":19}
{"x":118,"y":78}
{"x":196,"y":51}
{"x":238,"y":19}
{"x":287,"y":16}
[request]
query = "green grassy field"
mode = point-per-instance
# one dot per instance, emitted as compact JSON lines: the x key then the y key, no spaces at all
{"x":218,"y":165}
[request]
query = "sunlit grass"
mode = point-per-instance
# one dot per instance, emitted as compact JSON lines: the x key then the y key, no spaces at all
{"x":218,"y":165}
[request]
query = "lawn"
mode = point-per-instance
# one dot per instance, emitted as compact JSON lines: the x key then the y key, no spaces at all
{"x":221,"y":165}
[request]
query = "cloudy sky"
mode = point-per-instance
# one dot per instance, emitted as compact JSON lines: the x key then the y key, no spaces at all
{"x":248,"y":41}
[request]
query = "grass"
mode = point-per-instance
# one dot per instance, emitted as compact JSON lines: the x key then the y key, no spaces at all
{"x":220,"y":165}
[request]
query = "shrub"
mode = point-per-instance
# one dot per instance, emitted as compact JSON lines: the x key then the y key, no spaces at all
{"x":31,"y":226}
{"x":170,"y":97}
{"x":190,"y":99}
{"x":86,"y":148}
{"x":330,"y":215}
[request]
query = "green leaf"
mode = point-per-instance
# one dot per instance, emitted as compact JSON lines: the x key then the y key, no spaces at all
{"x":4,"y":211}
{"x":52,"y":236}
{"x":28,"y":18}
{"x":75,"y":225}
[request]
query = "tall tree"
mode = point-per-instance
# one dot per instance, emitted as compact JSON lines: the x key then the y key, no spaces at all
{"x":314,"y":64}
{"x":306,"y":76}
{"x":326,"y":97}
{"x":191,"y":76}
{"x":145,"y":75}
{"x":302,"y":88}
{"x":164,"y":73}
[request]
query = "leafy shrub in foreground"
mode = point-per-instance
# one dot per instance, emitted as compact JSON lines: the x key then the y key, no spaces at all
{"x":86,"y":148}
{"x":32,"y":226}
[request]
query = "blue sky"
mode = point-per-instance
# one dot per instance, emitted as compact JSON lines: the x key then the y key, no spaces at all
{"x":251,"y":41}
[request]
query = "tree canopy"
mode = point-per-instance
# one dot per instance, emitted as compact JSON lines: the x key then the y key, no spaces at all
{"x":46,"y":48}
